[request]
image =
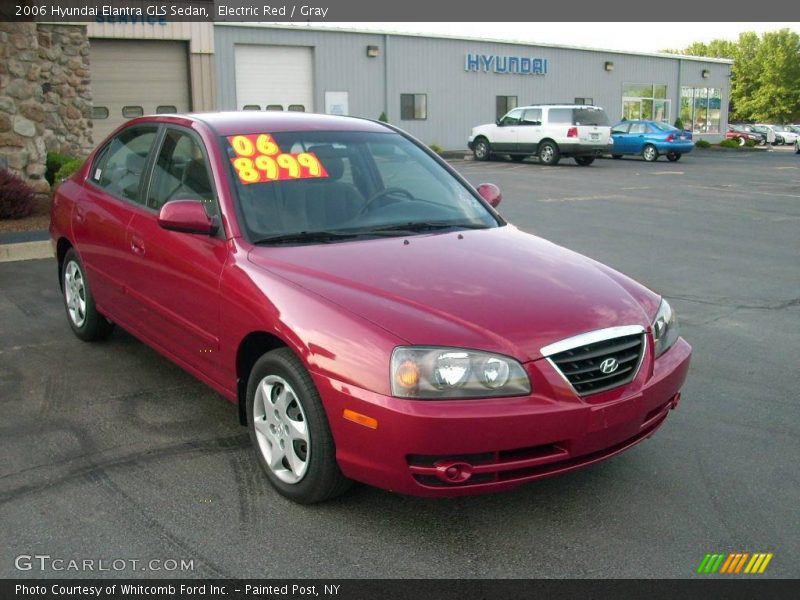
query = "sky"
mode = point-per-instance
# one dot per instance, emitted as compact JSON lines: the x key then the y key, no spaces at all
{"x":637,"y":37}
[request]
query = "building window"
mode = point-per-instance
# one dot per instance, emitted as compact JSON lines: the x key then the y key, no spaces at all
{"x":129,"y":112}
{"x":251,"y":107}
{"x":700,"y":109}
{"x":585,"y":101}
{"x":413,"y":107}
{"x":99,"y":112}
{"x":504,"y":104}
{"x":645,"y":101}
{"x":275,"y":107}
{"x":297,"y":108}
{"x":165,"y":109}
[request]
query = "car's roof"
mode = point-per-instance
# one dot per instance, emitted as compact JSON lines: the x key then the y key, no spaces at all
{"x":564,"y":105}
{"x":230,"y":123}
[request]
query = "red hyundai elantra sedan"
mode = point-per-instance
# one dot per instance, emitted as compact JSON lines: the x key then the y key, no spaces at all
{"x":370,"y":312}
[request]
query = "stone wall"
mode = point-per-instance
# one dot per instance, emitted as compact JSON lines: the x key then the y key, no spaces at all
{"x":45,"y":96}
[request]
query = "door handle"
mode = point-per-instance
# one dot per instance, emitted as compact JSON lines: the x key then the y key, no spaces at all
{"x":137,"y":245}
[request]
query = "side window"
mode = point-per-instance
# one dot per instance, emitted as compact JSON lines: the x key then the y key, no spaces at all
{"x":638,"y":128}
{"x":621,"y":128}
{"x":560,"y":116}
{"x":181,"y":172}
{"x":532,"y":116}
{"x":512,"y":118}
{"x":119,"y":172}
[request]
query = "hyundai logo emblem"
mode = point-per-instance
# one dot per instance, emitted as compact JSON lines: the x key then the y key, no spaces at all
{"x":609,"y":365}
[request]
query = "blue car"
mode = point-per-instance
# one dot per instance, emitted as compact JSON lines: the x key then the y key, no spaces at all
{"x":650,"y":139}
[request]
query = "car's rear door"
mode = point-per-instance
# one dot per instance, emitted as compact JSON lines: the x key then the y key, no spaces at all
{"x":530,"y":130}
{"x":175,"y":275}
{"x":100,"y":218}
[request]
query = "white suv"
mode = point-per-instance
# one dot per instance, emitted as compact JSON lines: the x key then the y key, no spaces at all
{"x":548,"y":131}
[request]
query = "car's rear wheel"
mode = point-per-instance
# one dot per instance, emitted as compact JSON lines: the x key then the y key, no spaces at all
{"x":84,"y":319}
{"x":549,"y":154}
{"x":674,"y":156}
{"x":290,"y":431}
{"x":649,"y":153}
{"x":584,"y":161}
{"x":481,"y":149}
{"x":517,"y":157}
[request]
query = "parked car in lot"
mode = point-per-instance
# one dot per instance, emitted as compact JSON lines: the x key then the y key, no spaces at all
{"x":786,"y":134}
{"x":371,"y":313}
{"x":743,"y":135}
{"x":650,"y":139}
{"x":773,"y":137}
{"x":547,"y":131}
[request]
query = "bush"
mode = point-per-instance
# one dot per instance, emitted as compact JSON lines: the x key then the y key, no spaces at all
{"x":68,"y":168}
{"x":731,"y":143}
{"x":54,"y":162}
{"x":436,"y":148}
{"x":750,"y":143}
{"x":383,"y":118}
{"x":703,"y":144}
{"x":679,"y":123}
{"x":17,"y":199}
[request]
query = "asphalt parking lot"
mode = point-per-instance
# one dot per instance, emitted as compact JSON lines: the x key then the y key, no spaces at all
{"x":110,"y":451}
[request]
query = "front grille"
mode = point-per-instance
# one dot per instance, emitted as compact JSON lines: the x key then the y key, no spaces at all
{"x":581,"y":365}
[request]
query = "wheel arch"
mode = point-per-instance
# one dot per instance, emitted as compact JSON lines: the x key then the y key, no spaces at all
{"x":63,"y":246}
{"x":254,"y":345}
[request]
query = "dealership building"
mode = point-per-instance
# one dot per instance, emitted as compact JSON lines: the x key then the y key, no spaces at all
{"x":437,"y":88}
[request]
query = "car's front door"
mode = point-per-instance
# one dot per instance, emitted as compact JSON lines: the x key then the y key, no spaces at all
{"x":530,"y":130}
{"x":101,"y":216}
{"x":505,"y":134}
{"x":176,"y":275}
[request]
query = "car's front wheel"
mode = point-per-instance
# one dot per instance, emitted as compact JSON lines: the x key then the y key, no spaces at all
{"x":549,"y":153}
{"x":88,"y":324}
{"x":481,"y":149}
{"x":290,"y":431}
{"x":584,"y":161}
{"x":649,"y":153}
{"x":674,"y":156}
{"x":741,"y":141}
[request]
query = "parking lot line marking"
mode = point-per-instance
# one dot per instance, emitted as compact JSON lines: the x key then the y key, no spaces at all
{"x":784,"y":168}
{"x":644,"y":187}
{"x":746,"y":192}
{"x":584,"y":198}
{"x":667,"y":173}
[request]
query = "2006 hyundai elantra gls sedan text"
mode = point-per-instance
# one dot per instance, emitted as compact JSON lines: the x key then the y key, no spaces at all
{"x":370,"y":312}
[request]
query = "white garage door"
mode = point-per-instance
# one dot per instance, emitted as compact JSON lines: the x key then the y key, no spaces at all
{"x":132,"y":77}
{"x":274,"y":78}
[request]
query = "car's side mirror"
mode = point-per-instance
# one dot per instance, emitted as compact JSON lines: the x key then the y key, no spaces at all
{"x":491,"y":193}
{"x":187,"y":216}
{"x":499,"y":122}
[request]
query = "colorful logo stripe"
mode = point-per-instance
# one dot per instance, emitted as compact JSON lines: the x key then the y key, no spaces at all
{"x":734,"y":563}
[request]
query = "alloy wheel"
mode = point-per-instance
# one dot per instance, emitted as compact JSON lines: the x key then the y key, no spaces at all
{"x":75,"y":293}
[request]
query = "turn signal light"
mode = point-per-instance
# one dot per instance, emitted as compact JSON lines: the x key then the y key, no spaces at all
{"x":364,"y":420}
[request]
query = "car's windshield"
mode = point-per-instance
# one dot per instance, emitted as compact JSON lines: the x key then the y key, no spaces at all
{"x":321,"y":186}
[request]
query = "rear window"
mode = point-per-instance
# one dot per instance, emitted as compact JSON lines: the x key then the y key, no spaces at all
{"x":578,"y":116}
{"x":663,"y":126}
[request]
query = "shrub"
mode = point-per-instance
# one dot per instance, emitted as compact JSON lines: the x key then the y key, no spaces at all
{"x":17,"y":199}
{"x":68,"y":168}
{"x":54,"y":162}
{"x":703,"y":144}
{"x":727,"y":143}
{"x":436,"y":148}
{"x":679,"y":123}
{"x":383,"y":118}
{"x":750,"y":143}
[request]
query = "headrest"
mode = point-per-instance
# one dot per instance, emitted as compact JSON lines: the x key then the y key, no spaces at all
{"x":330,"y":159}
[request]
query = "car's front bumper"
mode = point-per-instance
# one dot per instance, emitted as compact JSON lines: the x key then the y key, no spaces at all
{"x":500,"y":443}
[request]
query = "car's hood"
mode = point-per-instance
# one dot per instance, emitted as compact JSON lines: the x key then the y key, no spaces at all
{"x":500,"y":289}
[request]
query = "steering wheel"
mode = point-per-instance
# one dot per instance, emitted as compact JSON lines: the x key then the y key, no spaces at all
{"x":380,"y":194}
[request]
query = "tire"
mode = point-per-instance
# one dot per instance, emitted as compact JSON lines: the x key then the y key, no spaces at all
{"x":584,"y":161}
{"x":549,"y":153}
{"x":780,"y":141}
{"x":616,"y":156}
{"x":649,"y":153}
{"x":517,"y":157}
{"x":741,"y":141}
{"x":284,"y":412}
{"x":84,"y":319}
{"x":481,"y":149}
{"x":797,"y":147}
{"x":674,"y":156}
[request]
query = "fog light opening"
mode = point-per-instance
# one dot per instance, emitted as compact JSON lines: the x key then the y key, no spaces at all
{"x":454,"y":472}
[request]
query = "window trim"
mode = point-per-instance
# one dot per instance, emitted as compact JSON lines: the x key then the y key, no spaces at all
{"x":101,"y":156}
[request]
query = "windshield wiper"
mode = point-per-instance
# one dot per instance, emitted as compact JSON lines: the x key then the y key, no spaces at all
{"x":423,"y":226}
{"x":311,"y":237}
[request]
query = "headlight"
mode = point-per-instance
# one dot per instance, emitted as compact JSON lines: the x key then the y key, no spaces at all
{"x":430,"y":373}
{"x":665,"y":328}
